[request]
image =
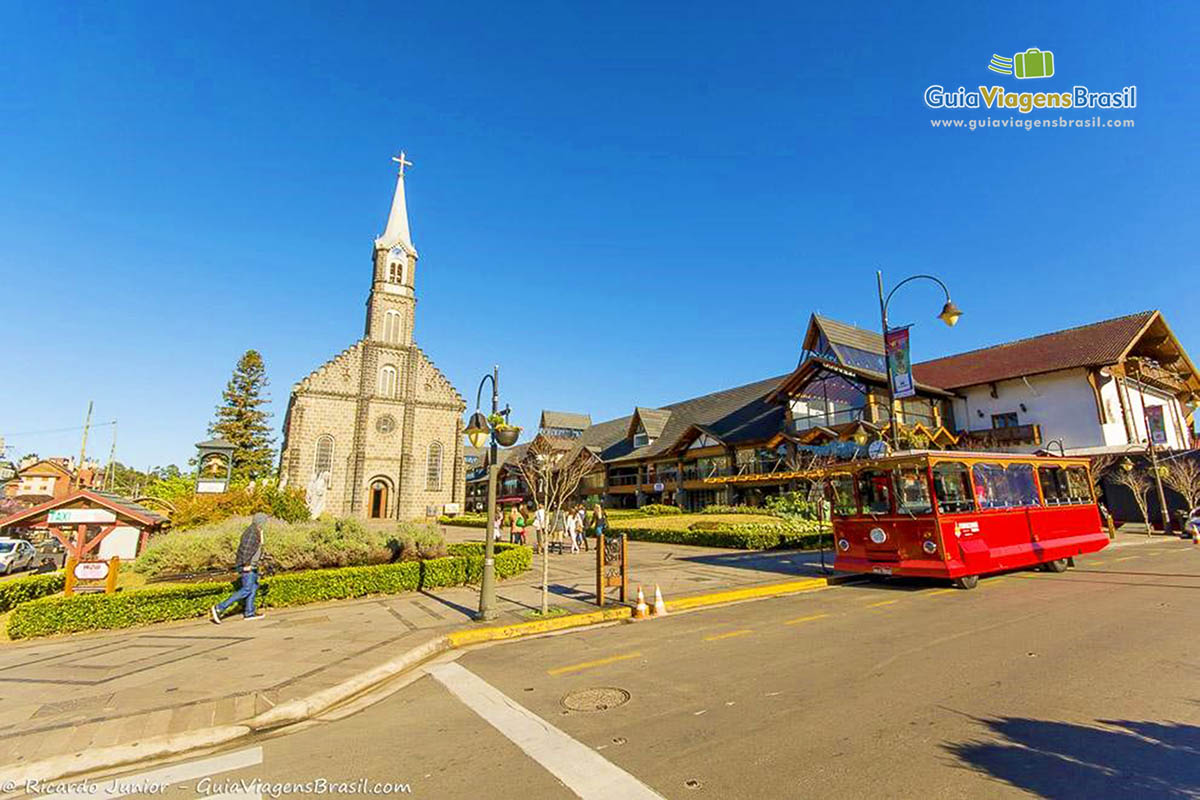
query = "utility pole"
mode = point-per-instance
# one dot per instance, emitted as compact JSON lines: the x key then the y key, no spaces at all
{"x":87,"y":423}
{"x":109,"y":472}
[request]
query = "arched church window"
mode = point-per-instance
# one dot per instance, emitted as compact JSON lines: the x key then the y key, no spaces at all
{"x":433,"y":468}
{"x":387,"y":381}
{"x":391,"y":326}
{"x":396,"y":271}
{"x":324,"y":460}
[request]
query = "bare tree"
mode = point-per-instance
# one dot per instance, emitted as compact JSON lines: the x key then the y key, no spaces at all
{"x":1183,"y":475}
{"x":1137,"y":481}
{"x":552,"y":469}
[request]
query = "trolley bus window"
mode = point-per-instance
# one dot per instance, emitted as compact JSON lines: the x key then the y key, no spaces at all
{"x":841,"y":496}
{"x":952,"y":484}
{"x":1079,"y":486}
{"x":1000,"y":487}
{"x":875,"y":490}
{"x":912,"y":492}
{"x":1054,"y":485}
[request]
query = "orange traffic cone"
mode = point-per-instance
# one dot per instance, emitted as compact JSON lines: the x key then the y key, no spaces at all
{"x":660,"y":606}
{"x":642,"y":611}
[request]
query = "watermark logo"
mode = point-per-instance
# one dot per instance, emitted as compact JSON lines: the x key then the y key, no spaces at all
{"x":1033,"y":63}
{"x":1026,"y":65}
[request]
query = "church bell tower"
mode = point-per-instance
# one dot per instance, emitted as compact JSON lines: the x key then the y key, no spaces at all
{"x":392,"y":303}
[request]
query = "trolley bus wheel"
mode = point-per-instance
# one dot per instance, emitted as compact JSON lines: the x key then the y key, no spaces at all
{"x":966,"y":582}
{"x":1057,"y":565}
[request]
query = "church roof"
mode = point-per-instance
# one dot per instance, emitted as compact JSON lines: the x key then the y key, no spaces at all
{"x":396,"y":231}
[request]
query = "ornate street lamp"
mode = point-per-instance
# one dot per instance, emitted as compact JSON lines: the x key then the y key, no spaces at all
{"x":950,"y":315}
{"x":480,"y":429}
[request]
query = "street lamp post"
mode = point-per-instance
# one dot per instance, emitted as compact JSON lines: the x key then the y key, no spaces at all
{"x":1150,"y":449}
{"x":478,"y":429}
{"x":949,"y":315}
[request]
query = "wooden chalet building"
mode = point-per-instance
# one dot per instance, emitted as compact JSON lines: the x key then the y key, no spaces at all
{"x":1082,"y":390}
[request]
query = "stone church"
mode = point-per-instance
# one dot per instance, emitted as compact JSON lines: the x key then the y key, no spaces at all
{"x":376,"y":431}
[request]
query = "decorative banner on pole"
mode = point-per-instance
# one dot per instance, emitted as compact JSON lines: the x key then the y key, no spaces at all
{"x":898,"y":363}
{"x":1156,"y":424}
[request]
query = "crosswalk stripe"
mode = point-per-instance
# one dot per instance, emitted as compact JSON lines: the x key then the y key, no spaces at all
{"x":167,"y":776}
{"x":584,"y":771}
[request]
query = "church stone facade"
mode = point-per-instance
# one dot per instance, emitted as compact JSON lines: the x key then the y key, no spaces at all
{"x":377,"y":430}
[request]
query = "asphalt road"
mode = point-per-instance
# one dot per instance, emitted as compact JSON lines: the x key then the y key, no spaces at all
{"x":1081,"y":685}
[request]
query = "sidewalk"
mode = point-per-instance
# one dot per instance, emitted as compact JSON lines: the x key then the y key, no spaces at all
{"x":64,"y":695}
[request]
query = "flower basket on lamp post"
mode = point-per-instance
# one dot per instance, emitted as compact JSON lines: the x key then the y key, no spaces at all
{"x":507,"y":435}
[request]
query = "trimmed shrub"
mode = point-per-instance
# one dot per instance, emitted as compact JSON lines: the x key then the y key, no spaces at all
{"x":465,"y":520}
{"x":53,"y":615}
{"x":194,"y":510}
{"x":31,"y":587}
{"x":320,"y":544}
{"x":742,"y":537}
{"x":657,"y":509}
{"x":721,"y":509}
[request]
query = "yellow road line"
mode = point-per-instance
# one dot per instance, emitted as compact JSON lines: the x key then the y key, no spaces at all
{"x":809,"y":618}
{"x":1123,"y":558}
{"x":941,"y":592}
{"x":729,"y":635}
{"x":589,"y":664}
{"x":882,"y":603}
{"x":1091,"y":563}
{"x":749,"y":593}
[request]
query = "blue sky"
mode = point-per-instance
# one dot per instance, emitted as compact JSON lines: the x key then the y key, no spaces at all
{"x":619,"y":203}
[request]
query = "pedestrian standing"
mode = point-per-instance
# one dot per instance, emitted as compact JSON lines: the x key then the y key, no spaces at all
{"x":249,"y":554}
{"x":510,"y":525}
{"x":581,"y":525}
{"x":599,"y":521}
{"x":572,"y":531}
{"x":522,"y":522}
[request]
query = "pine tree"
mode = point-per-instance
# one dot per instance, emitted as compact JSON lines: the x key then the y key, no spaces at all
{"x":243,"y":423}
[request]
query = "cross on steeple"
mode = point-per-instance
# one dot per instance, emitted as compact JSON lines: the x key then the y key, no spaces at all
{"x":402,"y":162}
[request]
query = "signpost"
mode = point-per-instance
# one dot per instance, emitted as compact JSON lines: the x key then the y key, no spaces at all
{"x":1156,"y":424}
{"x":91,"y":576}
{"x":611,"y":566}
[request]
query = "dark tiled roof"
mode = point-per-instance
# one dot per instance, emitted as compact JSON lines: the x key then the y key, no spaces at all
{"x":1093,"y":345}
{"x":850,"y":335}
{"x":129,"y":505}
{"x":565,"y":419}
{"x":653,"y":420}
{"x":740,"y":414}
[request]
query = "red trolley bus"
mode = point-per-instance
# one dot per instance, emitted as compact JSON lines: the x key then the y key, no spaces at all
{"x":960,"y":515}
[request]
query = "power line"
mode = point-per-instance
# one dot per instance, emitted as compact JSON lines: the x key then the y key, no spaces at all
{"x":56,"y":430}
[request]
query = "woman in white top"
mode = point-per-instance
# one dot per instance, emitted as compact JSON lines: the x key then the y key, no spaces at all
{"x":572,"y":532}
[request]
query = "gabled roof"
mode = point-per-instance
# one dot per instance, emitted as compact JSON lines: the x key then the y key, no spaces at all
{"x":565,"y":419}
{"x":840,"y":333}
{"x":1094,"y":345}
{"x":54,"y":467}
{"x":121,"y":506}
{"x":652,"y":420}
{"x":814,"y":365}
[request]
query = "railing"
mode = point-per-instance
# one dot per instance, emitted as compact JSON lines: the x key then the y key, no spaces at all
{"x":697,"y":474}
{"x":622,"y":480}
{"x":660,"y":477}
{"x":1013,"y":434}
{"x":908,"y":417}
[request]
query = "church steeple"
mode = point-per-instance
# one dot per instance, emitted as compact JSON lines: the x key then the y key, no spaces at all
{"x":396,"y":233}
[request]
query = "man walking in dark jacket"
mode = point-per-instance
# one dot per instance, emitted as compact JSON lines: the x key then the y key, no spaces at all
{"x":249,"y":553}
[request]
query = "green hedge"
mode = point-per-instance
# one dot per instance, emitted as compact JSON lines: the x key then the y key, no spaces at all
{"x":659,"y":509}
{"x":51,"y":615}
{"x":741,"y":537}
{"x":720,"y":509}
{"x":465,"y":520}
{"x":31,"y":587}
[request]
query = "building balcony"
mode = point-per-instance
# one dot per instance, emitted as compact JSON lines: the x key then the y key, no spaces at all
{"x":622,"y":480}
{"x":1003,"y":437}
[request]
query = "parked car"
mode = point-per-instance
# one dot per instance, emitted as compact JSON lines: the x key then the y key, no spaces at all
{"x":15,"y":554}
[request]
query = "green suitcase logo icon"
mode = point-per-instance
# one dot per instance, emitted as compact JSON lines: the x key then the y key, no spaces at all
{"x":1034,"y":63}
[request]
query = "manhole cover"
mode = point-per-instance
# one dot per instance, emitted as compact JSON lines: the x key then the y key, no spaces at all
{"x":599,"y":699}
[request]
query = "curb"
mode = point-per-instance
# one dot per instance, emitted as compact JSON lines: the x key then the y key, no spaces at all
{"x":305,"y":708}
